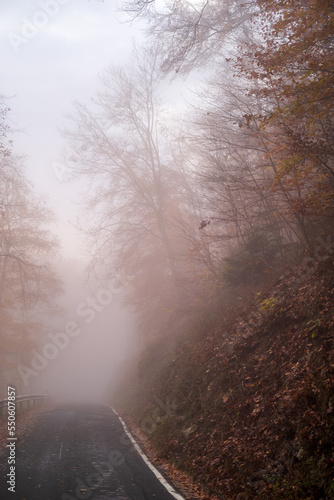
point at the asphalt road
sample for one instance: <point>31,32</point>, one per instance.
<point>80,452</point>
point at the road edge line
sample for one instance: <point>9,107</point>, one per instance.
<point>155,471</point>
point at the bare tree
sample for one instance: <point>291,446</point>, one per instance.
<point>137,190</point>
<point>26,243</point>
<point>236,171</point>
<point>27,278</point>
<point>193,33</point>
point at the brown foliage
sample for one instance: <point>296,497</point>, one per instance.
<point>254,402</point>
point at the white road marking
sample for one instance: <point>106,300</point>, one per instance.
<point>61,447</point>
<point>162,480</point>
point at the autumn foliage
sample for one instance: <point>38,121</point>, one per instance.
<point>293,62</point>
<point>253,398</point>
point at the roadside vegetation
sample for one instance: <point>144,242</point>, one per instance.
<point>250,400</point>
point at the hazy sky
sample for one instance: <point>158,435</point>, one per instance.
<point>51,54</point>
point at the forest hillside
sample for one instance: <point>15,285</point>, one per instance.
<point>246,406</point>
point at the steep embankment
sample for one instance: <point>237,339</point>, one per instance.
<point>249,408</point>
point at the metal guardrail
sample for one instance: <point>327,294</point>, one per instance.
<point>25,401</point>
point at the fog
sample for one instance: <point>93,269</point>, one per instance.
<point>91,363</point>
<point>44,69</point>
<point>82,343</point>
<point>135,197</point>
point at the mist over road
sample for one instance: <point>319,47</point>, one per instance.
<point>80,452</point>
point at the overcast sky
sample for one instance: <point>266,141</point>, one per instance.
<point>51,54</point>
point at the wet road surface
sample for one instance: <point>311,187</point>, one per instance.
<point>80,452</point>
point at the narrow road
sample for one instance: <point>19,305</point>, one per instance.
<point>81,452</point>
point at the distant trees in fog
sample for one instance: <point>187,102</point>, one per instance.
<point>27,277</point>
